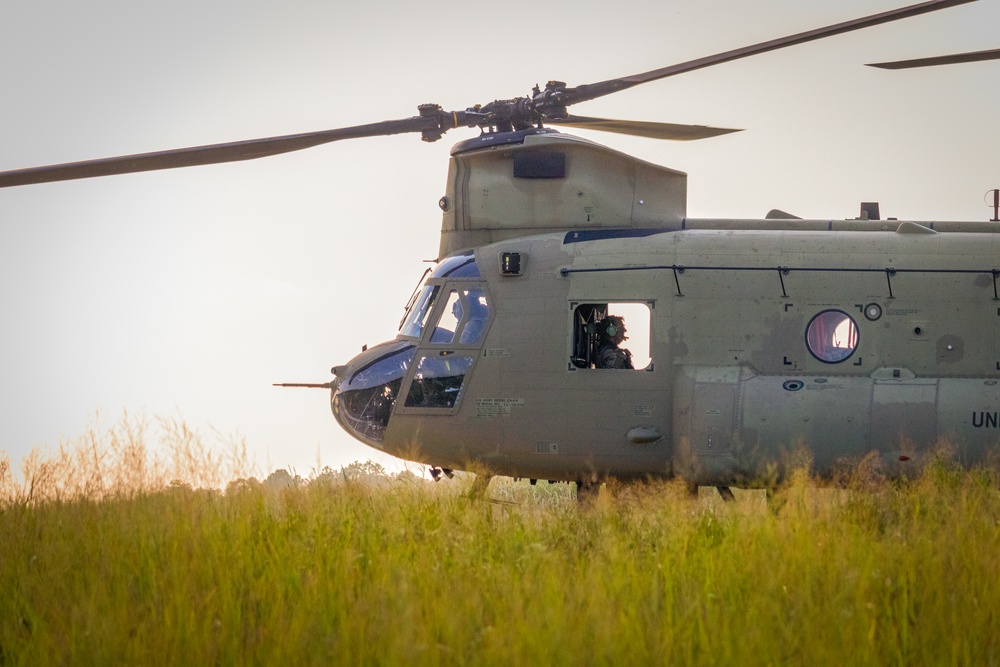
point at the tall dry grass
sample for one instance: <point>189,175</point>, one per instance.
<point>358,567</point>
<point>127,458</point>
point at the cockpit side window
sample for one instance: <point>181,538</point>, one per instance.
<point>600,332</point>
<point>451,317</point>
<point>437,380</point>
<point>477,315</point>
<point>464,317</point>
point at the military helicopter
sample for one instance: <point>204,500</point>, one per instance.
<point>852,336</point>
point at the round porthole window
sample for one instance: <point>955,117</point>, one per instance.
<point>832,336</point>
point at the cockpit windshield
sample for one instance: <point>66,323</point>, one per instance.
<point>416,316</point>
<point>363,402</point>
<point>420,306</point>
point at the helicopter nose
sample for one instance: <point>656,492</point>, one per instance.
<point>365,389</point>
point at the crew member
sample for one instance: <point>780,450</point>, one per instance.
<point>611,334</point>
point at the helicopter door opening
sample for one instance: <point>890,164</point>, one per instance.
<point>611,336</point>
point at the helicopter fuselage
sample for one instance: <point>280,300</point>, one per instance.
<point>766,338</point>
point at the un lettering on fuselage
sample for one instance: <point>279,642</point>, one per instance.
<point>985,419</point>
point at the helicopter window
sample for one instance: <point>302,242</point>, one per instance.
<point>391,366</point>
<point>832,336</point>
<point>457,266</point>
<point>466,311</point>
<point>416,317</point>
<point>446,327</point>
<point>413,298</point>
<point>364,403</point>
<point>477,314</point>
<point>600,331</point>
<point>437,381</point>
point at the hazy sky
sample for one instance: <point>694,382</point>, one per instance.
<point>187,293</point>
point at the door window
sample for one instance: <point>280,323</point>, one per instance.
<point>611,336</point>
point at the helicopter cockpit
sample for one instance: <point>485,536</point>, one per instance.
<point>442,328</point>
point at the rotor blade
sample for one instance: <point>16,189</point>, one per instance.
<point>213,154</point>
<point>595,90</point>
<point>975,56</point>
<point>643,128</point>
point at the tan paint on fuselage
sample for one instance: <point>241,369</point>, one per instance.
<point>732,386</point>
<point>722,351</point>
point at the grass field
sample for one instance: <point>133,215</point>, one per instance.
<point>111,555</point>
